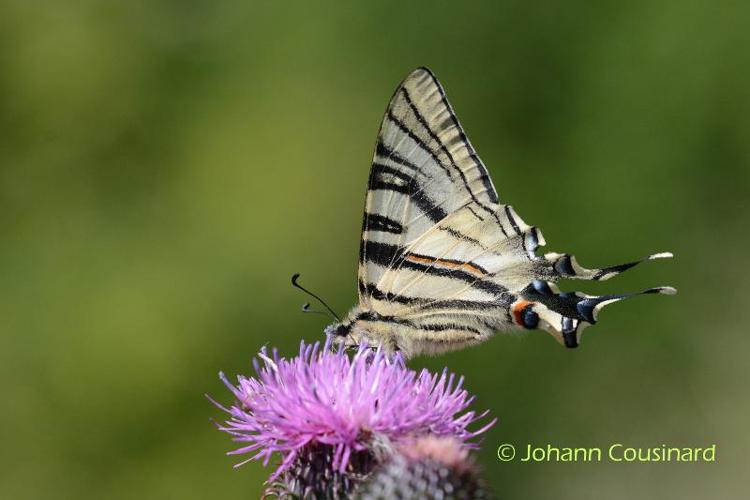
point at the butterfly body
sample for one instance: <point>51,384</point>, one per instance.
<point>437,335</point>
<point>443,263</point>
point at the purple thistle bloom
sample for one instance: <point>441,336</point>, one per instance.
<point>349,406</point>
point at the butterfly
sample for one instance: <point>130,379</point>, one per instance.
<point>443,264</point>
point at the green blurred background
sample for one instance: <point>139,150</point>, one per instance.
<point>166,166</point>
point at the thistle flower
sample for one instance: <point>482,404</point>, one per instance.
<point>333,418</point>
<point>430,467</point>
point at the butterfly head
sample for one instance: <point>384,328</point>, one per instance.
<point>339,329</point>
<point>362,326</point>
<point>348,331</point>
<point>343,333</point>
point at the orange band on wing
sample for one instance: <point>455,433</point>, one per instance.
<point>467,266</point>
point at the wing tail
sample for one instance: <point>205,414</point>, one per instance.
<point>566,266</point>
<point>566,314</point>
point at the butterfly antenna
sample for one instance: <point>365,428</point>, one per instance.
<point>306,307</point>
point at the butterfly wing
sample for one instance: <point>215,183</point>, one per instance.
<point>454,285</point>
<point>466,278</point>
<point>424,168</point>
<point>440,255</point>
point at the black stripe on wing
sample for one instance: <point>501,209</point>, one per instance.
<point>387,153</point>
<point>377,222</point>
<point>376,252</point>
<point>384,177</point>
<point>442,327</point>
<point>485,177</point>
<point>512,219</point>
<point>463,237</point>
<point>414,137</point>
<point>456,274</point>
<point>442,147</point>
<point>456,327</point>
<point>430,304</point>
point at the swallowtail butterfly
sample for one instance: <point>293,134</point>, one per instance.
<point>444,264</point>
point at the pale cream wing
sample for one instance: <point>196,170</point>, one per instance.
<point>467,277</point>
<point>439,254</point>
<point>465,267</point>
<point>424,168</point>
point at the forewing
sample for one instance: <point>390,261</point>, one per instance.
<point>424,169</point>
